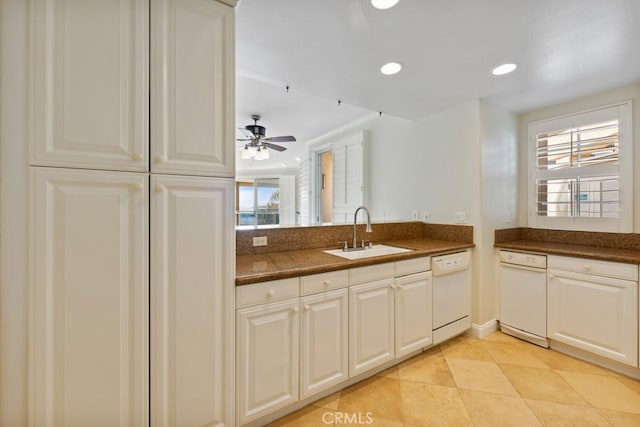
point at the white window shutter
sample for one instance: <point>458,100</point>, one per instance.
<point>339,177</point>
<point>303,192</point>
<point>354,174</point>
<point>287,200</point>
<point>348,174</point>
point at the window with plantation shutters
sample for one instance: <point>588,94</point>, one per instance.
<point>580,170</point>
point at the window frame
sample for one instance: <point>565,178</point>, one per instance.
<point>255,181</point>
<point>623,224</point>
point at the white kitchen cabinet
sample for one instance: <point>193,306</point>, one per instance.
<point>88,265</point>
<point>268,358</point>
<point>89,91</point>
<point>371,325</point>
<point>192,317</point>
<point>192,88</point>
<point>91,82</point>
<point>324,336</point>
<point>595,313</point>
<point>413,311</point>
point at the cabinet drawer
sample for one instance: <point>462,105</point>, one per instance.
<point>589,266</point>
<point>410,266</point>
<point>371,273</point>
<point>324,282</point>
<point>261,293</point>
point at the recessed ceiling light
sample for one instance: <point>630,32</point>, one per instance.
<point>390,68</point>
<point>504,69</point>
<point>384,4</point>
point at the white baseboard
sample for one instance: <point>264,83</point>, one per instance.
<point>484,330</point>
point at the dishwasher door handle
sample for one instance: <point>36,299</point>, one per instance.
<point>523,267</point>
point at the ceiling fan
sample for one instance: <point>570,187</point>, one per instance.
<point>257,146</point>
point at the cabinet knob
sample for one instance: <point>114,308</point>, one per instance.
<point>587,267</point>
<point>160,159</point>
<point>136,156</point>
<point>551,276</point>
<point>307,307</point>
<point>271,293</point>
<point>159,188</point>
<point>294,309</point>
<point>138,187</point>
<point>392,286</point>
<point>327,282</point>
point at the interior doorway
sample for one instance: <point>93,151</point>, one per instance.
<point>326,186</point>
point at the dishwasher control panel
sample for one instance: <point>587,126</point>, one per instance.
<point>446,264</point>
<point>524,259</point>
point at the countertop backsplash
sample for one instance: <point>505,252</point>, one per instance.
<point>331,236</point>
<point>582,238</point>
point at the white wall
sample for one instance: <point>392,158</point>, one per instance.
<point>449,149</point>
<point>429,164</point>
<point>499,130</point>
<point>391,172</point>
<point>631,92</point>
<point>463,159</point>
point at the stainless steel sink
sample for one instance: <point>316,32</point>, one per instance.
<point>374,251</point>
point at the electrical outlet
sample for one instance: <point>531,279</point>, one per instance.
<point>260,241</point>
<point>460,217</point>
<point>415,215</point>
<point>427,216</point>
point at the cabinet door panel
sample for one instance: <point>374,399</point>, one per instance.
<point>594,313</point>
<point>371,325</point>
<point>192,318</point>
<point>413,313</point>
<point>324,341</point>
<point>89,298</point>
<point>89,101</point>
<point>193,92</point>
<point>268,355</point>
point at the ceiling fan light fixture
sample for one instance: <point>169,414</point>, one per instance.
<point>384,4</point>
<point>256,152</point>
<point>262,153</point>
<point>503,69</point>
<point>258,147</point>
<point>391,68</point>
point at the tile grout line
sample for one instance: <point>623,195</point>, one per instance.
<point>513,351</point>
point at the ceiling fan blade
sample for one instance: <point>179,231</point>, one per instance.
<point>244,133</point>
<point>288,138</point>
<point>274,146</point>
<point>244,139</point>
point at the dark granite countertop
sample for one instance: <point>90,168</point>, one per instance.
<point>257,268</point>
<point>629,256</point>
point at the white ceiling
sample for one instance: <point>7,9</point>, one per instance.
<point>327,50</point>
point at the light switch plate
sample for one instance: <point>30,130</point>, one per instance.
<point>260,241</point>
<point>460,217</point>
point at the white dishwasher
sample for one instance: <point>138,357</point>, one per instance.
<point>523,296</point>
<point>451,295</point>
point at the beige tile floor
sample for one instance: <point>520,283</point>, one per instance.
<point>498,381</point>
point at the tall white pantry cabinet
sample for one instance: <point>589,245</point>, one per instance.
<point>131,246</point>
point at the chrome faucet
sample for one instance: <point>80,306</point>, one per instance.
<point>355,223</point>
